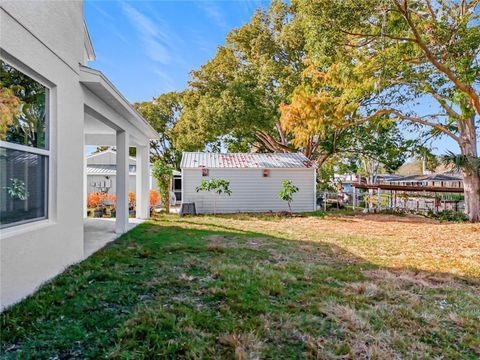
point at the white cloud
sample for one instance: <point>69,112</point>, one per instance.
<point>157,42</point>
<point>214,13</point>
<point>168,83</point>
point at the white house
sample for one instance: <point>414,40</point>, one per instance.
<point>255,180</point>
<point>45,47</point>
<point>101,174</point>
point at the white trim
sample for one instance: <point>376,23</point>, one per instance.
<point>182,177</point>
<point>91,76</point>
<point>27,227</point>
<point>24,148</point>
<point>88,43</point>
<point>111,151</point>
<point>50,143</point>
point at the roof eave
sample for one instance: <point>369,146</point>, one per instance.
<point>89,75</point>
<point>88,43</point>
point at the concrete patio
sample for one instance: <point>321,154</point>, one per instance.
<point>98,232</point>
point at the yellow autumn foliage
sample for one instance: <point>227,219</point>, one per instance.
<point>9,107</point>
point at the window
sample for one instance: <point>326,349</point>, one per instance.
<point>177,183</point>
<point>24,148</point>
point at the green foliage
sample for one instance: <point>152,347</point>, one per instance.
<point>26,124</point>
<point>162,114</point>
<point>17,189</point>
<point>448,215</point>
<point>237,93</point>
<point>163,173</point>
<point>287,192</point>
<point>462,162</point>
<point>217,186</point>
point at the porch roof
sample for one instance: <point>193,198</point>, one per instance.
<point>98,84</point>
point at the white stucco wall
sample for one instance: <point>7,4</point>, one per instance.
<point>44,39</point>
<point>251,192</point>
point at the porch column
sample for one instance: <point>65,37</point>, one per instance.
<point>121,221</point>
<point>143,183</point>
<point>85,181</point>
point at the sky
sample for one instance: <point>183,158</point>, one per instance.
<point>147,48</point>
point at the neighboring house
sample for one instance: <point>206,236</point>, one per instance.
<point>101,175</point>
<point>66,106</point>
<point>255,180</point>
<point>433,180</point>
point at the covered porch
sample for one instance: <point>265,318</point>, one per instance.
<point>110,120</point>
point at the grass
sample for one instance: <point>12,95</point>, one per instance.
<point>247,286</point>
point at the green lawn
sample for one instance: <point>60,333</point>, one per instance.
<point>251,287</point>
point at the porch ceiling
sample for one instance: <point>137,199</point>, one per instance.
<point>107,111</point>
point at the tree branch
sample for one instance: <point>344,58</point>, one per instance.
<point>377,36</point>
<point>399,116</point>
<point>440,66</point>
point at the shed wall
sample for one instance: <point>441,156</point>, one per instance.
<point>251,192</point>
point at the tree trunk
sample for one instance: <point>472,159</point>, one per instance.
<point>471,188</point>
<point>471,177</point>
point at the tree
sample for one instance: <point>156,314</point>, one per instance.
<point>218,186</point>
<point>287,192</point>
<point>412,49</point>
<point>163,173</point>
<point>22,108</point>
<point>9,108</point>
<point>233,100</point>
<point>162,114</point>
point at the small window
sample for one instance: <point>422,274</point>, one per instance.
<point>266,173</point>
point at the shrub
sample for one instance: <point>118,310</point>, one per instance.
<point>113,199</point>
<point>448,215</point>
<point>131,199</point>
<point>286,194</point>
<point>218,186</point>
<point>154,198</point>
<point>163,173</point>
<point>94,199</point>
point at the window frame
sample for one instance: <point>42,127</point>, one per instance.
<point>45,152</point>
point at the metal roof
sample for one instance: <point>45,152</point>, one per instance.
<point>95,169</point>
<point>431,177</point>
<point>193,160</point>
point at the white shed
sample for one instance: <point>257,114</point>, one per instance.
<point>255,180</point>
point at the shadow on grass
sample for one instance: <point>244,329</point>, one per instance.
<point>163,291</point>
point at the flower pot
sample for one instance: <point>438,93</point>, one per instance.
<point>98,212</point>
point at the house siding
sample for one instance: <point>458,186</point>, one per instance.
<point>45,41</point>
<point>251,192</point>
